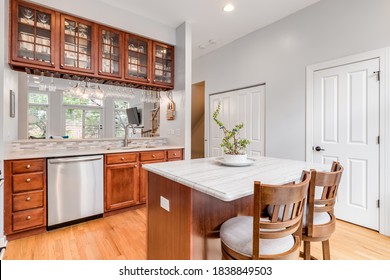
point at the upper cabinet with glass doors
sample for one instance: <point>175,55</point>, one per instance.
<point>33,34</point>
<point>162,64</point>
<point>77,47</point>
<point>110,52</point>
<point>48,40</point>
<point>137,58</point>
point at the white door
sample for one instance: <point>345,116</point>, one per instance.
<point>346,128</point>
<point>246,106</point>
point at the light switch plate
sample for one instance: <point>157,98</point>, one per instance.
<point>164,203</point>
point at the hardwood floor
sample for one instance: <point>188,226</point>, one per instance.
<point>123,236</point>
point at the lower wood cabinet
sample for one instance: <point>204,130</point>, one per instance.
<point>126,181</point>
<point>24,196</point>
<point>121,181</point>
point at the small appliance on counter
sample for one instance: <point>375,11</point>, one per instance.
<point>74,190</point>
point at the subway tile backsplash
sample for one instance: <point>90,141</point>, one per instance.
<point>69,144</point>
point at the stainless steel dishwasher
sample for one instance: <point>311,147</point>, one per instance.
<point>75,189</point>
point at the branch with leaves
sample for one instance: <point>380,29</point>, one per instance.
<point>232,144</point>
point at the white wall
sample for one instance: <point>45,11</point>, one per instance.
<point>178,131</point>
<point>279,54</point>
<point>111,16</point>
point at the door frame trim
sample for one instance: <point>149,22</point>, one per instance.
<point>384,122</point>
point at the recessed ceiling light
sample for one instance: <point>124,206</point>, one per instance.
<point>228,8</point>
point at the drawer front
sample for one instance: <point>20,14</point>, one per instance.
<point>121,158</point>
<point>175,154</point>
<point>146,156</point>
<point>29,200</point>
<point>27,182</point>
<point>27,166</point>
<point>27,219</point>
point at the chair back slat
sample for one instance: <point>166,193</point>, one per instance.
<point>286,213</point>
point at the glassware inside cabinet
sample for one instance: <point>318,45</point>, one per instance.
<point>34,35</point>
<point>109,52</point>
<point>137,58</point>
<point>163,64</point>
<point>77,44</point>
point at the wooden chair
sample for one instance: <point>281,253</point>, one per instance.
<point>275,237</point>
<point>319,221</point>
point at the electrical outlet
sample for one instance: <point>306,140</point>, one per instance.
<point>164,203</point>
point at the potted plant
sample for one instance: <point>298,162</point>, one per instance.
<point>233,146</point>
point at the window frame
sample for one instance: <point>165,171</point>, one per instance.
<point>47,106</point>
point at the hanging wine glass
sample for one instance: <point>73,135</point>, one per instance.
<point>52,85</point>
<point>42,85</point>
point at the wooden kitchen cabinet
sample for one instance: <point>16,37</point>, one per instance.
<point>110,52</point>
<point>145,158</point>
<point>137,58</point>
<point>32,35</point>
<point>121,188</point>
<point>163,62</point>
<point>173,155</point>
<point>24,196</point>
<point>46,40</point>
<point>78,44</point>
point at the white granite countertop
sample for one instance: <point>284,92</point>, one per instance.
<point>229,183</point>
<point>81,152</point>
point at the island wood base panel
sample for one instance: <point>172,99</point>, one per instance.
<point>190,229</point>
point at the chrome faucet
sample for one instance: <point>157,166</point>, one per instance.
<point>126,140</point>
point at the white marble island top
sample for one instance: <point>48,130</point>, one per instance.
<point>229,183</point>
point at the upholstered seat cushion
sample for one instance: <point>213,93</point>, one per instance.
<point>237,233</point>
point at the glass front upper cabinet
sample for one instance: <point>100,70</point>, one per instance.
<point>137,58</point>
<point>162,64</point>
<point>77,45</point>
<point>33,35</point>
<point>110,51</point>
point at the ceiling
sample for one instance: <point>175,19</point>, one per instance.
<point>211,26</point>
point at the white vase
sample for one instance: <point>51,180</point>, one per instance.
<point>235,158</point>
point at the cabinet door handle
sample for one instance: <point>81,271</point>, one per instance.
<point>28,180</point>
<point>135,166</point>
<point>28,218</point>
<point>28,198</point>
<point>28,166</point>
<point>62,65</point>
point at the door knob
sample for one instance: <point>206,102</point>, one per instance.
<point>318,148</point>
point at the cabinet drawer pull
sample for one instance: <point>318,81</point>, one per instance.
<point>28,166</point>
<point>135,166</point>
<point>122,158</point>
<point>28,198</point>
<point>153,156</point>
<point>28,218</point>
<point>28,180</point>
<point>174,154</point>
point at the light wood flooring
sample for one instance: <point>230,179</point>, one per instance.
<point>123,236</point>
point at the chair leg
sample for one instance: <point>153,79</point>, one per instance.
<point>325,250</point>
<point>306,250</point>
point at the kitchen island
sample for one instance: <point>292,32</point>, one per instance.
<point>189,200</point>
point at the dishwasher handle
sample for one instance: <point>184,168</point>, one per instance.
<point>74,159</point>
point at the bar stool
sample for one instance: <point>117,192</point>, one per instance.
<point>276,237</point>
<point>319,221</point>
